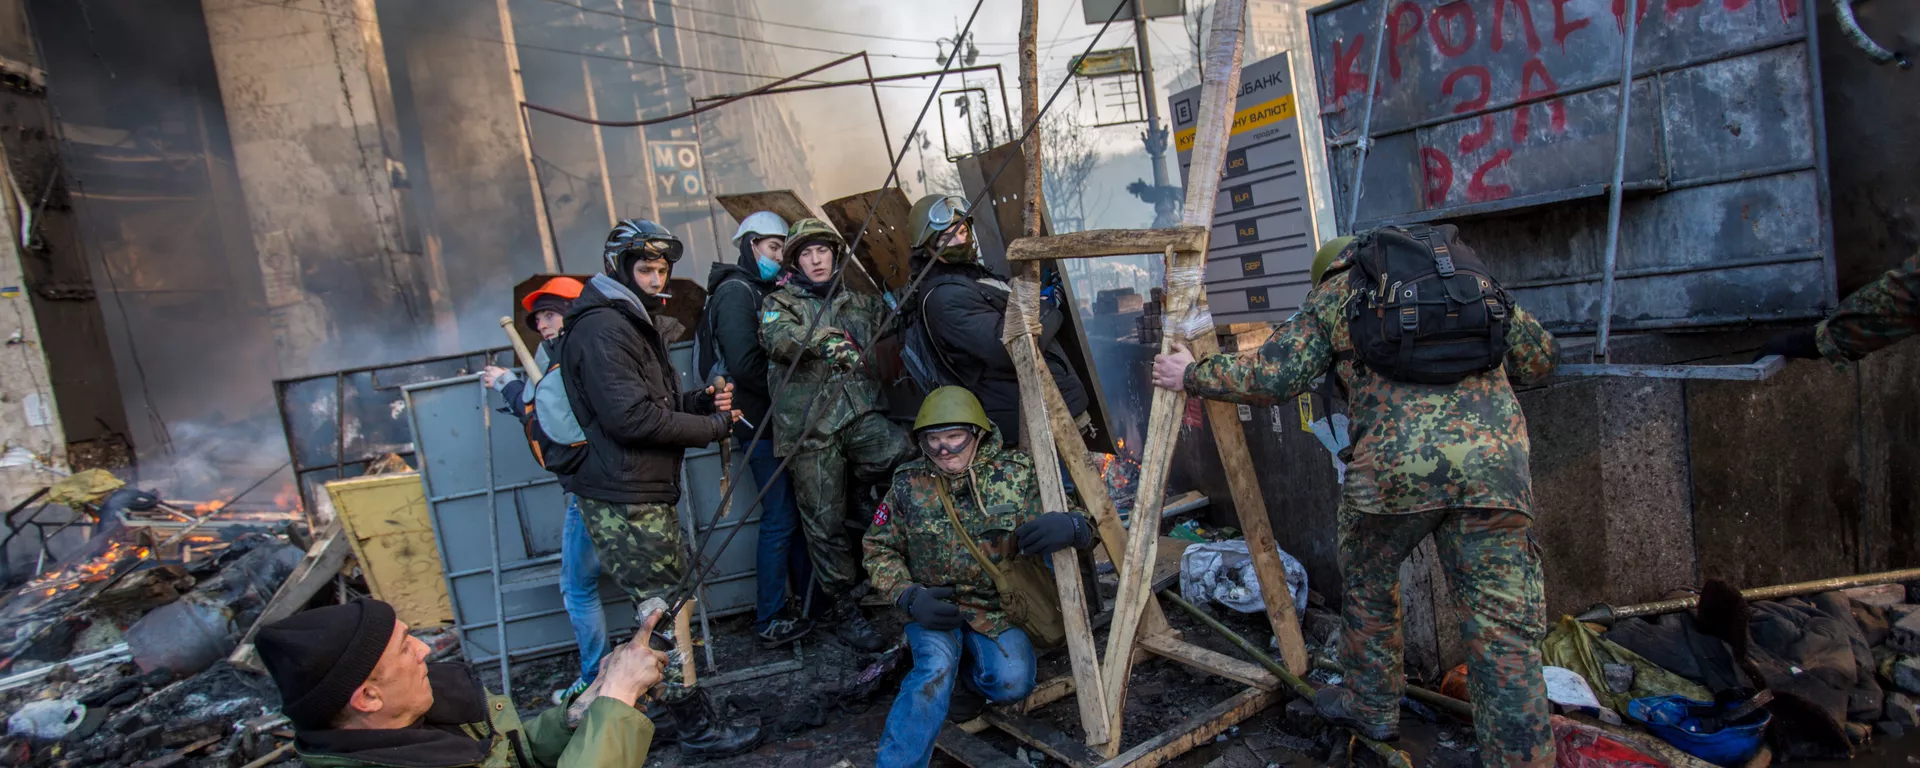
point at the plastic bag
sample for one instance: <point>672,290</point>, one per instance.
<point>1222,572</point>
<point>1573,645</point>
<point>47,719</point>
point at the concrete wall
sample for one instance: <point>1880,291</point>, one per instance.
<point>304,87</point>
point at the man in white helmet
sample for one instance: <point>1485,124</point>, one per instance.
<point>729,345</point>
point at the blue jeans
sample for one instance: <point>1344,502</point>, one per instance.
<point>580,591</point>
<point>781,558</point>
<point>1001,669</point>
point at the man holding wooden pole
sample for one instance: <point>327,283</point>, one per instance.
<point>1430,456</point>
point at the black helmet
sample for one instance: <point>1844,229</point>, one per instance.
<point>638,239</point>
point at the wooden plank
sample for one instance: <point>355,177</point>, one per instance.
<point>1094,243</point>
<point>1213,662</point>
<point>1043,694</point>
<point>1044,737</point>
<point>1092,487</point>
<point>971,751</point>
<point>780,201</point>
<point>388,526</point>
<point>321,563</point>
<point>1197,730</point>
<point>1220,79</point>
<point>683,640</point>
<point>1023,317</point>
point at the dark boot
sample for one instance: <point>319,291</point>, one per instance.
<point>965,704</point>
<point>699,732</point>
<point>1335,705</point>
<point>851,626</point>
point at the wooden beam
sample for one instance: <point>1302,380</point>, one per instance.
<point>1043,694</point>
<point>1108,242</point>
<point>1201,728</point>
<point>1023,317</point>
<point>321,563</point>
<point>1044,737</point>
<point>972,751</point>
<point>1243,672</point>
<point>1220,80</point>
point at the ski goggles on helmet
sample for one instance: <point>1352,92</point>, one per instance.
<point>948,441</point>
<point>945,213</point>
<point>655,250</point>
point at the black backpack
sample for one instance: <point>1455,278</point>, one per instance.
<point>926,365</point>
<point>1425,309</point>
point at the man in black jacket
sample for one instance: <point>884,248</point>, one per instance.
<point>638,424</point>
<point>730,346</point>
<point>963,307</point>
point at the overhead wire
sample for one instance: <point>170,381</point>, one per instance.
<point>685,590</point>
<point>718,33</point>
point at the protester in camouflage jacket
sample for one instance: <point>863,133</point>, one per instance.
<point>825,333</point>
<point>1878,315</point>
<point>1443,460</point>
<point>920,561</point>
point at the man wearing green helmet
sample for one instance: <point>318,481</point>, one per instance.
<point>1448,460</point>
<point>923,563</point>
<point>961,308</point>
<point>846,432</point>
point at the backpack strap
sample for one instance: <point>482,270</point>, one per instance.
<point>1442,257</point>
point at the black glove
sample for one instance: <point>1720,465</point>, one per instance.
<point>1051,532</point>
<point>1797,344</point>
<point>931,608</point>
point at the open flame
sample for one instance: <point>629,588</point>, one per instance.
<point>81,574</point>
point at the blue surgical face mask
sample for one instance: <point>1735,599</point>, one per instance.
<point>767,268</point>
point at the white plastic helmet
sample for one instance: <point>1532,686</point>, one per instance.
<point>760,224</point>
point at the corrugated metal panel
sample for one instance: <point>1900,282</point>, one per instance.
<point>1509,106</point>
<point>492,503</point>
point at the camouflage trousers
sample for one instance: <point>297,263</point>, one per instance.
<point>867,450</point>
<point>1495,578</point>
<point>641,547</point>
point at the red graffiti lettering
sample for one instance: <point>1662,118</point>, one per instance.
<point>1346,74</point>
<point>1521,124</point>
<point>1472,142</point>
<point>1620,13</point>
<point>1394,34</point>
<point>1789,9</point>
<point>1734,5</point>
<point>1478,191</point>
<point>1562,26</point>
<point>1674,7</point>
<point>1474,71</point>
<point>1536,81</point>
<point>1438,171</point>
<point>1526,22</point>
<point>1458,17</point>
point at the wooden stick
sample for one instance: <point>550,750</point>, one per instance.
<point>1219,82</point>
<point>322,561</point>
<point>1094,243</point>
<point>683,639</point>
<point>1199,729</point>
<point>520,351</point>
<point>1023,315</point>
<point>271,757</point>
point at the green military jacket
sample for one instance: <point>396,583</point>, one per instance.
<point>1416,447</point>
<point>1879,314</point>
<point>784,319</point>
<point>610,734</point>
<point>912,542</point>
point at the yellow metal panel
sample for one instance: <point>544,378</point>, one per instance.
<point>392,535</point>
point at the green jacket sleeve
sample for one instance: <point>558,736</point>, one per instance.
<point>610,734</point>
<point>1531,351</point>
<point>1299,351</point>
<point>1885,311</point>
<point>885,548</point>
<point>783,330</point>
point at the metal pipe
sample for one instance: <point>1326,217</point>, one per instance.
<point>885,139</point>
<point>1365,142</point>
<point>1614,191</point>
<point>869,80</point>
<point>1393,756</point>
<point>1607,614</point>
<point>1156,136</point>
<point>1850,29</point>
<point>493,536</point>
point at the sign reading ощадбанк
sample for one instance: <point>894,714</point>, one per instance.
<point>1262,243</point>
